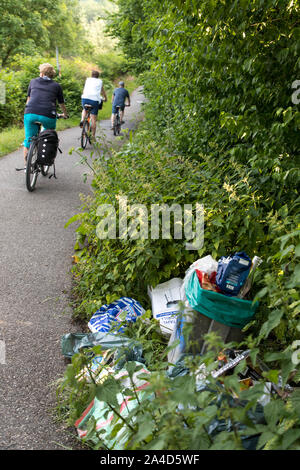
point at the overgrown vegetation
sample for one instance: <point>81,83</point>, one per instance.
<point>181,407</point>
<point>221,130</point>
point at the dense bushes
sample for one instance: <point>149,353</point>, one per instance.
<point>239,215</point>
<point>28,27</point>
<point>220,89</point>
<point>226,135</point>
<point>220,130</point>
<point>177,413</point>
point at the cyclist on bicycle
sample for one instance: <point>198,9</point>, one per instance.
<point>92,95</point>
<point>43,93</point>
<point>118,99</point>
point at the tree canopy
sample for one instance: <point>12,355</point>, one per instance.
<point>30,26</point>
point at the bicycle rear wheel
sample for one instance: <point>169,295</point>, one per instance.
<point>85,134</point>
<point>117,125</point>
<point>31,167</point>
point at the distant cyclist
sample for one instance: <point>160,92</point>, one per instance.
<point>118,99</point>
<point>92,94</point>
<point>43,93</point>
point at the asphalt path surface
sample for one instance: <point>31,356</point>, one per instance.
<point>35,287</point>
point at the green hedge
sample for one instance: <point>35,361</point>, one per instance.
<point>238,216</point>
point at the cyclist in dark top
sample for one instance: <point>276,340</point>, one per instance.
<point>42,95</point>
<point>118,99</point>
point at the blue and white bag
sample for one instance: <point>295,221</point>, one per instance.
<point>124,309</point>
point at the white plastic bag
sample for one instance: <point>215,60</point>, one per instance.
<point>207,264</point>
<point>165,303</point>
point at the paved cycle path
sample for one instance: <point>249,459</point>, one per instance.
<point>35,284</point>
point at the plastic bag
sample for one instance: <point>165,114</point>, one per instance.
<point>124,309</point>
<point>230,311</point>
<point>207,265</point>
<point>177,335</point>
<point>71,343</point>
<point>105,418</point>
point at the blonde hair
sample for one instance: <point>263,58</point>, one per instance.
<point>48,70</point>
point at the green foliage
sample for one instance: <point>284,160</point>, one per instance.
<point>112,64</point>
<point>219,89</point>
<point>31,27</point>
<point>183,408</point>
<point>126,25</point>
<point>221,130</point>
<point>112,267</point>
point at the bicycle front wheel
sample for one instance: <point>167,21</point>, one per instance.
<point>31,167</point>
<point>85,134</point>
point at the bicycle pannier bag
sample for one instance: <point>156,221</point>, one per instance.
<point>47,147</point>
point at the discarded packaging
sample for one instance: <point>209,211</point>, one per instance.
<point>232,273</point>
<point>102,413</point>
<point>72,343</point>
<point>165,302</point>
<point>248,284</point>
<point>108,316</point>
<point>230,364</point>
<point>177,334</point>
<point>230,311</point>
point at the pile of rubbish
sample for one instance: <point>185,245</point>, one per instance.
<point>215,289</point>
<point>211,297</point>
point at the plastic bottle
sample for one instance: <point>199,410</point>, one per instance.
<point>247,286</point>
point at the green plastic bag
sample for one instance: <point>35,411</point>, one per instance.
<point>71,343</point>
<point>230,311</point>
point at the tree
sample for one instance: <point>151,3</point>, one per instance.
<point>127,25</point>
<point>65,29</point>
<point>30,26</point>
